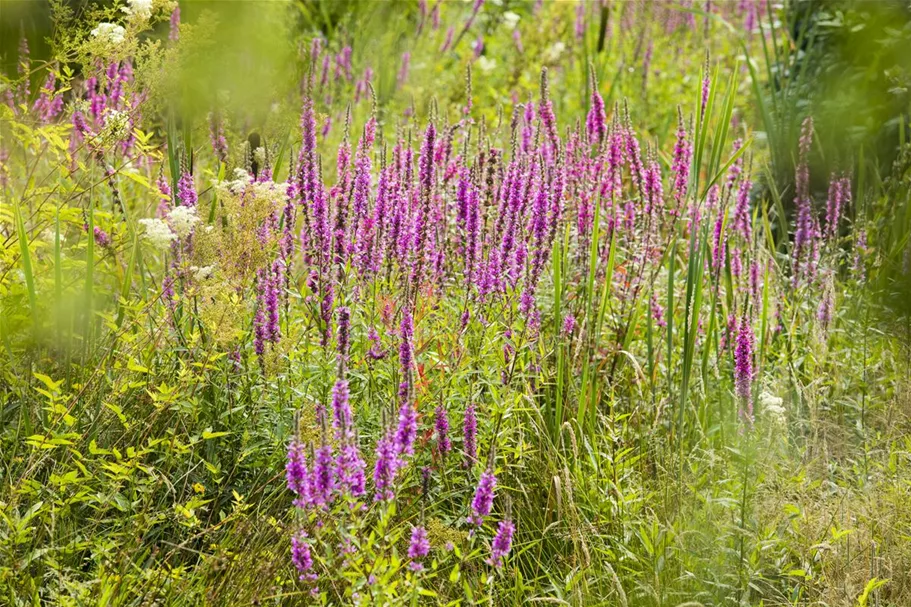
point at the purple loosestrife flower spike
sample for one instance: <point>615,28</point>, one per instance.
<point>322,485</point>
<point>425,179</point>
<point>307,170</point>
<point>478,46</point>
<point>579,25</point>
<point>654,190</point>
<point>350,470</point>
<point>804,232</point>
<point>860,249</point>
<point>742,218</point>
<point>301,557</point>
<point>186,190</point>
<point>296,473</point>
<point>406,333</point>
<point>174,33</point>
<point>681,163</point>
<point>441,425</point>
<point>743,368</point>
<point>470,434</point>
<point>101,238</point>
<point>483,498</point>
<point>344,333</point>
<point>361,197</point>
<point>23,69</point>
<point>407,430</point>
<point>376,351</point>
<point>754,281</point>
<point>569,325</point>
<point>719,241</point>
<point>259,330</point>
<point>736,168</point>
<point>385,469</point>
<point>418,548</point>
<point>217,137</point>
<point>528,127</point>
<point>448,41</point>
<point>546,112</point>
<point>834,204</point>
<point>502,543</point>
<point>826,303</point>
<point>402,77</point>
<point>273,296</point>
<point>48,106</point>
<point>706,86</point>
<point>634,156</point>
<point>341,411</point>
<point>541,246</point>
<point>657,312</point>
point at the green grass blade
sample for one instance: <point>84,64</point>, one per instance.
<point>26,259</point>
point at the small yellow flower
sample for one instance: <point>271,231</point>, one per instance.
<point>198,488</point>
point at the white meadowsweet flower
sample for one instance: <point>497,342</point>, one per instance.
<point>110,32</point>
<point>203,273</point>
<point>139,8</point>
<point>182,220</point>
<point>158,233</point>
<point>486,65</point>
<point>555,51</point>
<point>259,155</point>
<point>511,19</point>
<point>772,408</point>
<point>241,179</point>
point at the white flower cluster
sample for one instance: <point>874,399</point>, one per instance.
<point>110,32</point>
<point>259,155</point>
<point>180,223</point>
<point>140,8</point>
<point>511,19</point>
<point>233,186</point>
<point>485,64</point>
<point>554,51</point>
<point>243,184</point>
<point>203,273</point>
<point>158,233</point>
<point>182,220</point>
<point>771,407</point>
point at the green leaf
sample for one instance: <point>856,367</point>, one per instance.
<point>206,434</point>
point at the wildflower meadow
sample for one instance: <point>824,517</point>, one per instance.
<point>424,302</point>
